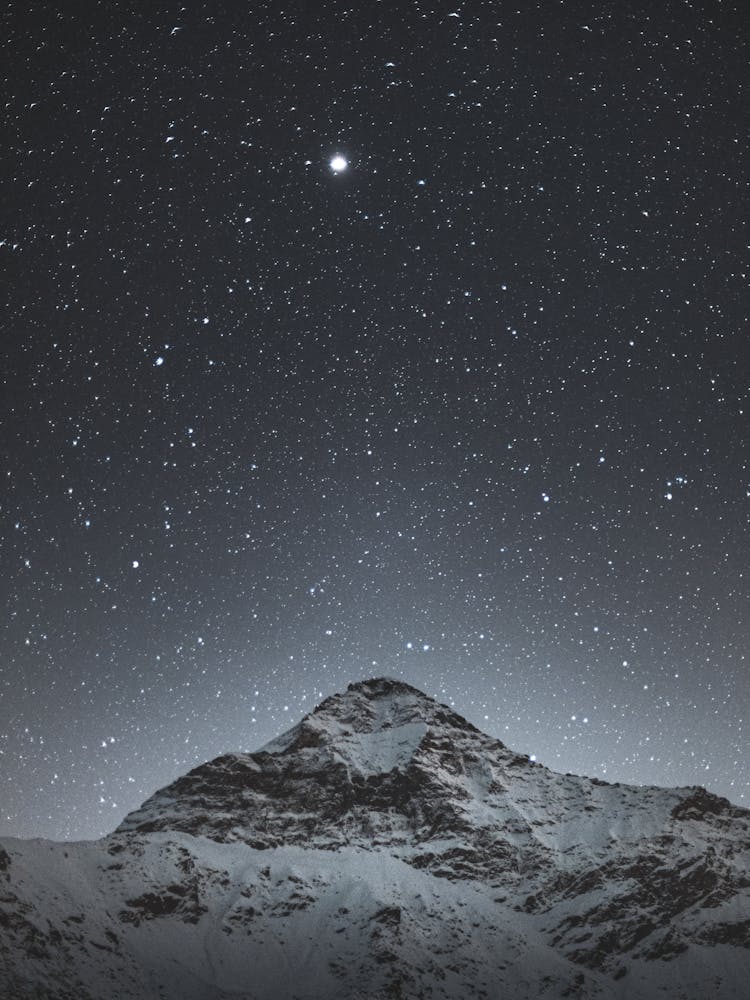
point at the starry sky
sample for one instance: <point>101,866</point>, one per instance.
<point>404,339</point>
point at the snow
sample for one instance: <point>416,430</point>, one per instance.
<point>384,841</point>
<point>379,752</point>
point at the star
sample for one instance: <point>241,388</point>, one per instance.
<point>338,163</point>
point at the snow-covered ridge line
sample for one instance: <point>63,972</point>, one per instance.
<point>385,846</point>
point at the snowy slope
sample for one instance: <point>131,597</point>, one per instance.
<point>384,847</point>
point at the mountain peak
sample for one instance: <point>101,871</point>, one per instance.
<point>386,687</point>
<point>356,754</point>
<point>386,846</point>
<point>380,703</point>
<point>383,762</point>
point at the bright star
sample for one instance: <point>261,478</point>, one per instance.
<point>338,163</point>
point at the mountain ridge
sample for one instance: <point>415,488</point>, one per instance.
<point>460,865</point>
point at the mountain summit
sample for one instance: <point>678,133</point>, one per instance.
<point>380,752</point>
<point>385,847</point>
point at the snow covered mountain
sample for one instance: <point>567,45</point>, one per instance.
<point>385,847</point>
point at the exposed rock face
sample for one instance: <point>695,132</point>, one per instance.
<point>386,847</point>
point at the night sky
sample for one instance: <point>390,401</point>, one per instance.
<point>469,408</point>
